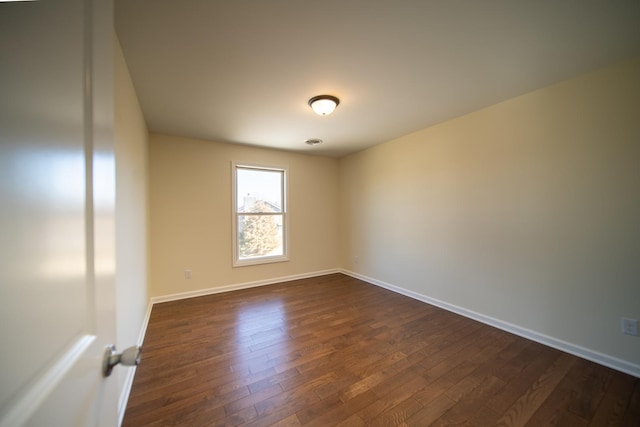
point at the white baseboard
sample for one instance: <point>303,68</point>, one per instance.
<point>128,382</point>
<point>576,350</point>
<point>124,394</point>
<point>246,285</point>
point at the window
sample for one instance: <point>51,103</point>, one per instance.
<point>260,214</point>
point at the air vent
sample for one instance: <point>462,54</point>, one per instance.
<point>313,141</point>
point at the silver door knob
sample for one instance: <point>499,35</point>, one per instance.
<point>129,357</point>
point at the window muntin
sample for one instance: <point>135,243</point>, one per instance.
<point>260,214</point>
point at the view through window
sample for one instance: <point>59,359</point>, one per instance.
<point>260,214</point>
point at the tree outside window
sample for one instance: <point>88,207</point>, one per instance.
<point>258,235</point>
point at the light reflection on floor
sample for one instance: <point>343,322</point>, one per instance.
<point>259,324</point>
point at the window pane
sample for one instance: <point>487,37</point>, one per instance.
<point>260,235</point>
<point>259,190</point>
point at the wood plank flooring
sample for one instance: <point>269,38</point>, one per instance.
<point>336,351</point>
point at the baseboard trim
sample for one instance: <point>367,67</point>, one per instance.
<point>124,394</point>
<point>239,286</point>
<point>131,372</point>
<point>576,350</point>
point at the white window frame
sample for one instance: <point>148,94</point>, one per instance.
<point>237,262</point>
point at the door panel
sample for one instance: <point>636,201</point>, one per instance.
<point>56,218</point>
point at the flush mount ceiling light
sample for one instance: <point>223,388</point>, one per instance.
<point>324,105</point>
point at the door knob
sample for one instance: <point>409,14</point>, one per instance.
<point>129,357</point>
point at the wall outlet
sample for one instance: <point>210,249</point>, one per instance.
<point>630,326</point>
<point>356,259</point>
<point>187,274</point>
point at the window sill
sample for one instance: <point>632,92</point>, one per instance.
<point>260,260</point>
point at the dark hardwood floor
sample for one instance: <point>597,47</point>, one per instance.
<point>334,350</point>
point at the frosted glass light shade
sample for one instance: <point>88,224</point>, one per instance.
<point>324,105</point>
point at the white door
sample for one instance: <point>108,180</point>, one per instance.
<point>56,212</point>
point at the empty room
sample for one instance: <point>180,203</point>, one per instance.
<point>340,213</point>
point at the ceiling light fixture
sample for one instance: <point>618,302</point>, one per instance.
<point>324,105</point>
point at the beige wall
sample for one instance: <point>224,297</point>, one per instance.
<point>190,214</point>
<point>527,211</point>
<point>130,133</point>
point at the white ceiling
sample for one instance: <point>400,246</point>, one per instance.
<point>242,71</point>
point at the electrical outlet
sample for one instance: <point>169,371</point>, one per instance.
<point>356,259</point>
<point>187,274</point>
<point>630,326</point>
